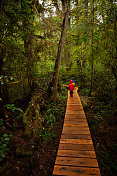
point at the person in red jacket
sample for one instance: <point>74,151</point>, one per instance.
<point>71,88</point>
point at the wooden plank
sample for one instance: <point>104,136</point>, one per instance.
<point>75,171</point>
<point>76,119</point>
<point>74,112</point>
<point>75,153</point>
<point>71,161</point>
<point>75,136</point>
<point>75,102</point>
<point>68,117</point>
<point>75,116</point>
<point>72,120</point>
<point>75,131</point>
<point>76,122</point>
<point>74,107</point>
<point>76,141</point>
<point>76,125</point>
<point>76,128</point>
<point>81,147</point>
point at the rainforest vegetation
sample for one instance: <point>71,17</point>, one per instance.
<point>43,44</point>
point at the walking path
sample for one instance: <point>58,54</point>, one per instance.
<point>76,155</point>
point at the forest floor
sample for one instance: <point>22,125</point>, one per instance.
<point>103,127</point>
<point>39,163</point>
<point>40,159</point>
<point>30,156</point>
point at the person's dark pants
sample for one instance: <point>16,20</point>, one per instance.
<point>71,93</point>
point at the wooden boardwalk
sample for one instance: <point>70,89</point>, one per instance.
<point>76,155</point>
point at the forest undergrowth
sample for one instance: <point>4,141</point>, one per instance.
<point>30,155</point>
<point>102,121</point>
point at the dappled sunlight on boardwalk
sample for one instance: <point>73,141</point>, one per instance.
<point>76,155</point>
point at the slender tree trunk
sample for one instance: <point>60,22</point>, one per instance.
<point>30,61</point>
<point>1,64</point>
<point>1,50</point>
<point>68,52</point>
<point>85,33</point>
<point>28,46</point>
<point>59,53</point>
<point>92,55</point>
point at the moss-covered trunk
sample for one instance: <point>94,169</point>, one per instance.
<point>32,117</point>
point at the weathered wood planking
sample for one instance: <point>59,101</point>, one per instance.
<point>75,116</point>
<point>76,155</point>
<point>75,136</point>
<point>74,161</point>
<point>75,171</point>
<point>77,147</point>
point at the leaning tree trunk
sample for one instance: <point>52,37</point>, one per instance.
<point>59,53</point>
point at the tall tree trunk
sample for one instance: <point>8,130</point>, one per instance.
<point>59,53</point>
<point>68,52</point>
<point>1,64</point>
<point>28,45</point>
<point>92,51</point>
<point>85,33</point>
<point>1,43</point>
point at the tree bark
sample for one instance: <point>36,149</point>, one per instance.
<point>85,33</point>
<point>92,54</point>
<point>1,50</point>
<point>28,45</point>
<point>1,65</point>
<point>59,53</point>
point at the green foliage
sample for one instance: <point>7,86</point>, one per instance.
<point>51,115</point>
<point>13,108</point>
<point>84,91</point>
<point>108,163</point>
<point>62,93</point>
<point>4,146</point>
<point>95,122</point>
<point>1,122</point>
<point>46,135</point>
<point>51,119</point>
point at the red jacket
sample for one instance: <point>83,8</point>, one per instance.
<point>71,85</point>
